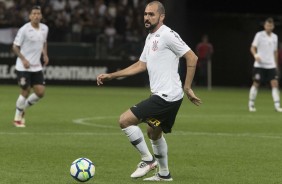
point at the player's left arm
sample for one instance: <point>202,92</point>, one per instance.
<point>191,62</point>
<point>45,54</point>
<point>181,49</point>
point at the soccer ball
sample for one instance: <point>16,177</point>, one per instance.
<point>82,169</point>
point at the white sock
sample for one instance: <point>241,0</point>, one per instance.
<point>136,138</point>
<point>160,150</point>
<point>276,97</point>
<point>252,96</point>
<point>31,100</point>
<point>19,107</point>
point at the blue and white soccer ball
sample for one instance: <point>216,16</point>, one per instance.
<point>82,169</point>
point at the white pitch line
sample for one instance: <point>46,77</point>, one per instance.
<point>83,121</point>
<point>179,133</point>
<point>62,133</point>
<point>174,133</point>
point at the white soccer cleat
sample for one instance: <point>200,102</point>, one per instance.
<point>278,109</point>
<point>19,123</point>
<point>252,109</point>
<point>158,177</point>
<point>143,168</point>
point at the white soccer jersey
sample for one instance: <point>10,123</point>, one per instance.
<point>31,42</point>
<point>161,53</point>
<point>266,46</point>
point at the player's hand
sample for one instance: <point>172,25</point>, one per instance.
<point>257,58</point>
<point>103,77</point>
<point>25,63</point>
<point>192,97</point>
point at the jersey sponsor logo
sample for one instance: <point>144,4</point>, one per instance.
<point>157,35</point>
<point>155,45</point>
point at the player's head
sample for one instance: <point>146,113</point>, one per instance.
<point>154,15</point>
<point>269,25</point>
<point>35,15</point>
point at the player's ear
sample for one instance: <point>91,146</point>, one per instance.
<point>162,17</point>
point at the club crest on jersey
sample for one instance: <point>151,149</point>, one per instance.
<point>257,76</point>
<point>22,81</point>
<point>155,45</point>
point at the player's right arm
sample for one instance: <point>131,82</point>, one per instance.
<point>254,49</point>
<point>17,51</point>
<point>133,69</point>
<point>254,53</point>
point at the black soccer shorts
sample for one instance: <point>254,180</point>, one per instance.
<point>27,79</point>
<point>156,112</point>
<point>264,75</point>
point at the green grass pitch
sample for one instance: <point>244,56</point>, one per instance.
<point>219,142</point>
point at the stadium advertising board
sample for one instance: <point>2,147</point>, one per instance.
<point>75,72</point>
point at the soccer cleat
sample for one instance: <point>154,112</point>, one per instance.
<point>20,123</point>
<point>158,177</point>
<point>278,109</point>
<point>143,168</point>
<point>252,109</point>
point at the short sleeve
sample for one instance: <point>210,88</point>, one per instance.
<point>19,37</point>
<point>176,44</point>
<point>143,55</point>
<point>47,31</point>
<point>256,40</point>
<point>276,43</point>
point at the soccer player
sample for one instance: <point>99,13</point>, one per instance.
<point>29,45</point>
<point>160,57</point>
<point>265,51</point>
<point>204,51</point>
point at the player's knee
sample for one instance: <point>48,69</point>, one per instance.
<point>154,133</point>
<point>126,120</point>
<point>24,86</point>
<point>122,121</point>
<point>256,83</point>
<point>274,83</point>
<point>40,94</point>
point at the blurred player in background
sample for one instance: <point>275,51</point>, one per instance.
<point>204,51</point>
<point>160,57</point>
<point>29,45</point>
<point>265,51</point>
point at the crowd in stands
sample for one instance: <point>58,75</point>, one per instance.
<point>119,21</point>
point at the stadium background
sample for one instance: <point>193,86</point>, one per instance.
<point>219,142</point>
<point>87,37</point>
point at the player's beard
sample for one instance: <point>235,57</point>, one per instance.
<point>152,26</point>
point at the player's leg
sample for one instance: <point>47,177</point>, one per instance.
<point>129,124</point>
<point>160,149</point>
<point>24,83</point>
<point>252,96</point>
<point>38,84</point>
<point>275,94</point>
<point>254,89</point>
<point>163,123</point>
<point>38,93</point>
